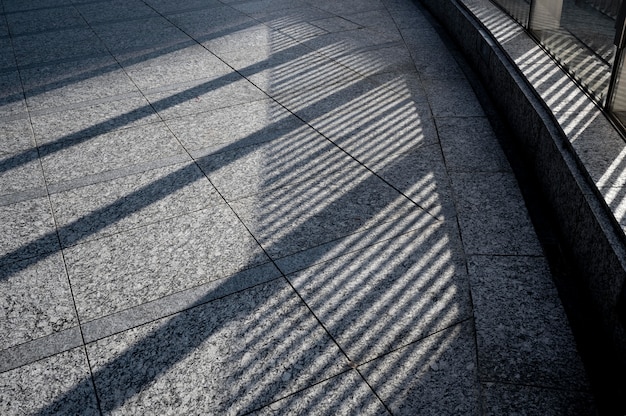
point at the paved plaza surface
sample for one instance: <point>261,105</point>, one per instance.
<point>268,207</point>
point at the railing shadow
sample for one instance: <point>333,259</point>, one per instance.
<point>418,281</point>
<point>125,58</point>
<point>382,272</point>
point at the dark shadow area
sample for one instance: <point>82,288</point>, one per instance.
<point>379,286</point>
<point>421,264</point>
<point>101,128</point>
<point>598,357</point>
<point>139,55</point>
<point>166,343</point>
<point>593,345</point>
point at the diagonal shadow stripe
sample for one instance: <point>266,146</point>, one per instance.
<point>183,346</point>
<point>169,342</point>
<point>84,135</point>
<point>173,340</point>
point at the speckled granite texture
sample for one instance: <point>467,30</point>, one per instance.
<point>261,207</point>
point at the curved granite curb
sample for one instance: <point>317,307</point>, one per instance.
<point>574,150</point>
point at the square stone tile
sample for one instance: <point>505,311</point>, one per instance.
<point>376,125</point>
<point>268,6</point>
<point>107,208</point>
<point>143,264</point>
<point>167,7</point>
<point>335,24</point>
<point>4,29</point>
<point>286,73</point>
<point>406,15</point>
<point>19,5</point>
<point>36,300</point>
<point>60,384</point>
<point>63,84</point>
<point>203,95</point>
<point>470,145</point>
<point>378,61</point>
<point>255,347</point>
<point>333,103</point>
<point>405,83</point>
<point>112,10</point>
<point>421,175</point>
<point>210,23</point>
<point>150,34</point>
<point>372,123</point>
<point>313,212</point>
<point>506,399</point>
<point>439,66</point>
<point>57,45</point>
<point>351,6</point>
<point>16,136</point>
<point>253,63</point>
<point>177,302</point>
<point>279,19</point>
<point>263,37</point>
<point>139,54</point>
<point>422,37</point>
<point>434,376</point>
<point>176,66</point>
<point>83,156</point>
<point>452,97</point>
<point>43,20</point>
<point>40,348</point>
<point>28,230</point>
<point>376,20</point>
<point>384,232</point>
<point>12,101</point>
<point>340,44</point>
<point>301,31</point>
<point>92,120</point>
<point>20,172</point>
<point>233,127</point>
<point>7,57</point>
<point>292,157</point>
<point>346,393</point>
<point>522,332</point>
<point>493,216</point>
<point>390,294</point>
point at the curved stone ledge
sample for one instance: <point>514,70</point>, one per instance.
<point>576,153</point>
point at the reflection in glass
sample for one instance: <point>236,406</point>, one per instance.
<point>518,9</point>
<point>579,34</point>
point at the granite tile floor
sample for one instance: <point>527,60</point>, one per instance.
<point>267,207</point>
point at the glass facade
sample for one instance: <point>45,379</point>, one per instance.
<point>587,38</point>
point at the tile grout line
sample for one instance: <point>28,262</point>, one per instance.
<point>47,193</point>
<point>293,394</point>
<point>388,184</point>
<point>492,118</point>
<point>437,28</point>
<point>273,262</point>
<point>449,185</point>
<point>22,349</point>
<point>284,278</point>
<point>62,252</point>
<point>55,220</point>
<point>240,221</point>
<point>55,224</point>
<point>354,365</point>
